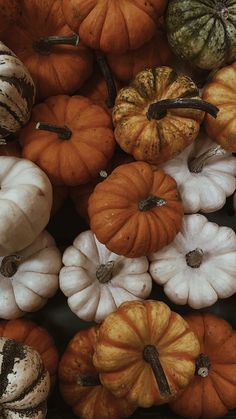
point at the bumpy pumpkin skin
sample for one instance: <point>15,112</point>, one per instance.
<point>9,12</point>
<point>221,92</point>
<point>155,141</point>
<point>116,217</point>
<point>122,338</point>
<point>91,402</point>
<point>211,396</point>
<point>111,25</point>
<point>202,32</point>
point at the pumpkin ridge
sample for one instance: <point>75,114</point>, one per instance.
<point>125,24</point>
<point>40,377</point>
<point>112,178</point>
<point>125,226</point>
<point>220,375</point>
<point>22,212</point>
<point>163,223</point>
<point>170,342</point>
<point>160,227</point>
<point>83,163</point>
<point>130,322</point>
<point>41,407</point>
<point>217,391</point>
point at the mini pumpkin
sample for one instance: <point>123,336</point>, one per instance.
<point>96,281</point>
<point>136,209</point>
<point>158,115</point>
<point>70,138</point>
<point>205,175</point>
<point>9,12</point>
<point>25,383</point>
<point>145,352</point>
<point>212,392</point>
<point>199,266</point>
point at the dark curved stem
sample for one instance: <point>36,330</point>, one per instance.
<point>89,381</point>
<point>150,202</point>
<point>159,109</point>
<point>10,265</point>
<point>108,76</point>
<point>44,45</point>
<point>64,133</point>
<point>151,356</point>
<point>202,365</point>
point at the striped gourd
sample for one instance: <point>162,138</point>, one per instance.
<point>24,382</point>
<point>203,31</point>
<point>17,92</point>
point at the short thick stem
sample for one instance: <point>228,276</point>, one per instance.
<point>202,365</point>
<point>64,133</point>
<point>194,258</point>
<point>150,202</point>
<point>10,265</point>
<point>88,380</point>
<point>44,46</point>
<point>158,110</point>
<point>108,76</point>
<point>104,272</point>
<point>196,164</point>
<point>151,356</point>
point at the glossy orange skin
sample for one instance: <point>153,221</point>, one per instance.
<point>94,402</point>
<point>212,396</point>
<point>77,160</point>
<point>115,217</point>
<point>67,67</point>
<point>111,25</point>
<point>9,13</point>
<point>29,333</point>
<point>221,92</point>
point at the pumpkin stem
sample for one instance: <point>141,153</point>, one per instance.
<point>194,258</point>
<point>158,110</point>
<point>10,265</point>
<point>150,202</point>
<point>45,45</point>
<point>109,79</point>
<point>88,381</point>
<point>64,133</point>
<point>196,164</point>
<point>104,272</point>
<point>202,365</point>
<point>103,174</point>
<point>151,356</point>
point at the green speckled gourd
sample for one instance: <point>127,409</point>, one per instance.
<point>203,31</point>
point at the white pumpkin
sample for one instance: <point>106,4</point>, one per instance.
<point>28,278</point>
<point>25,203</point>
<point>24,382</point>
<point>199,266</point>
<point>17,92</point>
<point>205,175</point>
<point>96,281</point>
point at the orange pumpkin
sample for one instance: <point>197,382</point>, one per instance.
<point>57,65</point>
<point>212,392</point>
<point>111,25</point>
<point>145,352</point>
<point>29,333</point>
<point>73,142</point>
<point>79,381</point>
<point>221,91</point>
<point>9,12</point>
<point>135,210</point>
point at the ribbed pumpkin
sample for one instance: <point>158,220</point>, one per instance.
<point>135,210</point>
<point>203,32</point>
<point>49,49</point>
<point>145,352</point>
<point>212,392</point>
<point>73,142</point>
<point>9,12</point>
<point>80,385</point>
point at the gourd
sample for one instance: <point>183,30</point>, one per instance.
<point>24,382</point>
<point>202,32</point>
<point>135,210</point>
<point>9,12</point>
<point>212,392</point>
<point>70,138</point>
<point>96,281</point>
<point>198,267</point>
<point>25,203</point>
<point>205,175</point>
<point>158,115</point>
<point>145,352</point>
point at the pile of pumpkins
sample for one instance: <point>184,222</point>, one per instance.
<point>128,108</point>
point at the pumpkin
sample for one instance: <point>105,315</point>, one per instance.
<point>154,53</point>
<point>198,267</point>
<point>149,123</point>
<point>24,381</point>
<point>212,392</point>
<point>9,12</point>
<point>60,194</point>
<point>48,48</point>
<point>221,92</point>
<point>26,200</point>
<point>205,175</point>
<point>70,138</point>
<point>202,32</point>
<point>113,26</point>
<point>97,281</point>
<point>17,93</point>
<point>38,338</point>
<point>80,385</point>
<point>145,352</point>
<point>135,210</point>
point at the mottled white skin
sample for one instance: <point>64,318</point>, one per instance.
<point>205,191</point>
<point>87,297</point>
<point>25,203</point>
<point>216,276</point>
<point>35,281</point>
